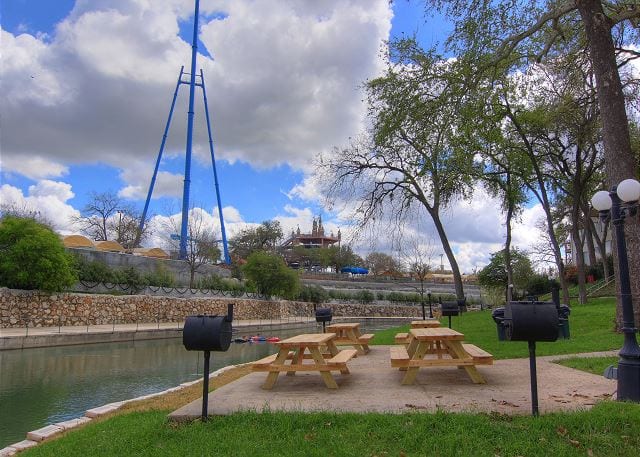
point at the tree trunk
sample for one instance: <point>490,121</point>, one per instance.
<point>602,246</point>
<point>579,253</point>
<point>588,234</point>
<point>620,162</point>
<point>507,242</point>
<point>457,277</point>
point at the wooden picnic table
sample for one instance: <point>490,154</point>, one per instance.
<point>294,350</point>
<point>404,338</point>
<point>448,348</point>
<point>427,323</point>
<point>348,334</point>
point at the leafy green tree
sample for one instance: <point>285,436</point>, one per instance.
<point>409,162</point>
<point>32,256</point>
<point>494,275</point>
<point>379,262</point>
<point>264,237</point>
<point>270,275</point>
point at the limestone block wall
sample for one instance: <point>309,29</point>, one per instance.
<point>19,308</point>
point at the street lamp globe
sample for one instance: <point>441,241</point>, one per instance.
<point>628,190</point>
<point>601,200</point>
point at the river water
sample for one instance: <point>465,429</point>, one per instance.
<point>43,386</point>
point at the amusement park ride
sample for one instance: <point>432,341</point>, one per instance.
<point>183,237</point>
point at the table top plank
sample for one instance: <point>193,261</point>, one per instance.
<point>435,334</point>
<point>344,326</point>
<point>428,323</point>
<point>307,339</point>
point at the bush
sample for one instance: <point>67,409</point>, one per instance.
<point>365,296</point>
<point>160,278</point>
<point>313,294</point>
<point>32,257</point>
<point>270,275</point>
<point>94,271</point>
<point>538,285</point>
<point>131,278</point>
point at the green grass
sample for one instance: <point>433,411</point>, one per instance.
<point>606,430</point>
<point>595,365</point>
<point>591,327</point>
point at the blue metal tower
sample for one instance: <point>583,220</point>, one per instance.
<point>187,166</point>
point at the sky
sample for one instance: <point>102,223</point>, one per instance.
<point>86,87</point>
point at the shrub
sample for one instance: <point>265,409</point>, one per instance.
<point>160,277</point>
<point>365,296</point>
<point>270,275</point>
<point>313,294</point>
<point>131,278</point>
<point>93,271</point>
<point>32,256</point>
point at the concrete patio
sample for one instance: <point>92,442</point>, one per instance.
<point>373,386</point>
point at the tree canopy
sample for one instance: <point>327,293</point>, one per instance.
<point>32,256</point>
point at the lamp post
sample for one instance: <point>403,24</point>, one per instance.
<point>430,310</point>
<point>618,203</point>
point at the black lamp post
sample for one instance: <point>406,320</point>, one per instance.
<point>430,310</point>
<point>622,201</point>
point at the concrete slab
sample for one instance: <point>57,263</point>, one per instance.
<point>22,445</point>
<point>373,386</point>
<point>8,451</point>
<point>102,410</point>
<point>43,433</point>
<point>72,423</point>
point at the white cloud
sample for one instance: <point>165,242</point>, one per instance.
<point>283,87</point>
<point>48,199</point>
<point>33,167</point>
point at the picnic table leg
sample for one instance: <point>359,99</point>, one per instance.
<point>326,375</point>
<point>272,377</point>
<point>412,372</point>
<point>297,359</point>
<point>352,336</point>
<point>457,352</point>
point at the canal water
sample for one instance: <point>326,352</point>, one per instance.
<point>43,386</point>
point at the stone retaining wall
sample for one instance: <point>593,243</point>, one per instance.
<point>19,308</point>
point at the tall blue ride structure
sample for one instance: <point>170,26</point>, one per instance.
<point>187,166</point>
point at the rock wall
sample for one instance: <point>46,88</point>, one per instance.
<point>19,308</point>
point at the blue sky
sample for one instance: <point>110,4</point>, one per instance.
<point>87,87</point>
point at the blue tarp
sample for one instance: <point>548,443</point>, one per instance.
<point>354,270</point>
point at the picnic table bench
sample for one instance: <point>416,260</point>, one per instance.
<point>294,350</point>
<point>348,334</point>
<point>448,347</point>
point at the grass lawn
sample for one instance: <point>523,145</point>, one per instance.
<point>591,327</point>
<point>595,365</point>
<point>609,429</point>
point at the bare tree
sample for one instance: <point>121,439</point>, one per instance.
<point>202,245</point>
<point>95,215</point>
<point>417,254</point>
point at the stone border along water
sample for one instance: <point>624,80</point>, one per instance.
<point>37,436</point>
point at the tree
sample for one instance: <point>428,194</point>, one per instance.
<point>418,257</point>
<point>379,262</point>
<point>32,256</point>
<point>270,275</point>
<point>494,275</point>
<point>264,237</point>
<point>511,34</point>
<point>107,217</point>
<point>202,246</point>
<point>409,160</point>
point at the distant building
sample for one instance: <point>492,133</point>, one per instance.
<point>315,239</point>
